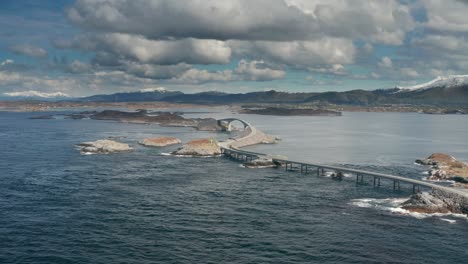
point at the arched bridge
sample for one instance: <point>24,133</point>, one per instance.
<point>226,123</point>
<point>250,135</point>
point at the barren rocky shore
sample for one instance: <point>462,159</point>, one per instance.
<point>445,167</point>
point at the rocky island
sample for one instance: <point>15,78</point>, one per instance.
<point>442,167</point>
<point>199,147</point>
<point>437,201</point>
<point>445,167</point>
<point>159,142</point>
<point>291,111</point>
<point>104,146</point>
<point>163,119</point>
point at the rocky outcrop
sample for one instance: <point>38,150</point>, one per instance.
<point>159,142</point>
<point>291,111</point>
<point>199,147</point>
<point>261,163</point>
<point>207,124</point>
<point>338,176</point>
<point>437,201</point>
<point>162,118</point>
<point>445,167</point>
<point>104,146</point>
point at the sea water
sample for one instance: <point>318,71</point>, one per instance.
<point>58,206</point>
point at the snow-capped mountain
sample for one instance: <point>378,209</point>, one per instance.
<point>36,94</point>
<point>150,90</point>
<point>441,81</point>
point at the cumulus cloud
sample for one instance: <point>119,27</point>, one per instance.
<point>335,69</point>
<point>29,50</point>
<point>141,49</point>
<point>386,62</point>
<point>245,71</point>
<point>257,71</point>
<point>385,21</point>
<point>444,42</point>
<point>299,53</point>
<point>280,20</point>
<point>163,39</point>
<point>77,66</point>
<point>160,42</point>
<point>159,72</point>
<point>446,16</point>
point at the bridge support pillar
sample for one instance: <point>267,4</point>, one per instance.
<point>359,178</point>
<point>396,184</point>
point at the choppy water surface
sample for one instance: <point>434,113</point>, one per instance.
<point>58,206</point>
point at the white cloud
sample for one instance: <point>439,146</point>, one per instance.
<point>6,62</point>
<point>257,71</point>
<point>155,71</point>
<point>437,42</point>
<point>29,50</point>
<point>384,21</point>
<point>335,69</point>
<point>138,48</point>
<point>298,53</point>
<point>446,16</point>
<point>78,67</point>
<point>386,62</point>
<point>245,71</point>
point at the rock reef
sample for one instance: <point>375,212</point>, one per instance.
<point>104,146</point>
<point>261,163</point>
<point>159,142</point>
<point>437,201</point>
<point>199,147</point>
<point>445,167</point>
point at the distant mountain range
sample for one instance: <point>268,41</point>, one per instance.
<point>145,95</point>
<point>442,91</point>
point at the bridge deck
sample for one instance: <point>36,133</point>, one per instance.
<point>227,147</point>
<point>349,170</point>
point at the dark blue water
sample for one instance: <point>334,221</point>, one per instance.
<point>57,206</point>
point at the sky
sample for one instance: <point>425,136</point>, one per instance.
<point>86,47</point>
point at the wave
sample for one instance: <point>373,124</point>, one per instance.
<point>330,173</point>
<point>441,181</point>
<point>188,156</point>
<point>393,205</point>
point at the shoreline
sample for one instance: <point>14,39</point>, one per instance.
<point>40,106</point>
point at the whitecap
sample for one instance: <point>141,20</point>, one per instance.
<point>451,221</point>
<point>393,205</point>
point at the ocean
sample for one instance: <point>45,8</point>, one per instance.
<point>58,206</point>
